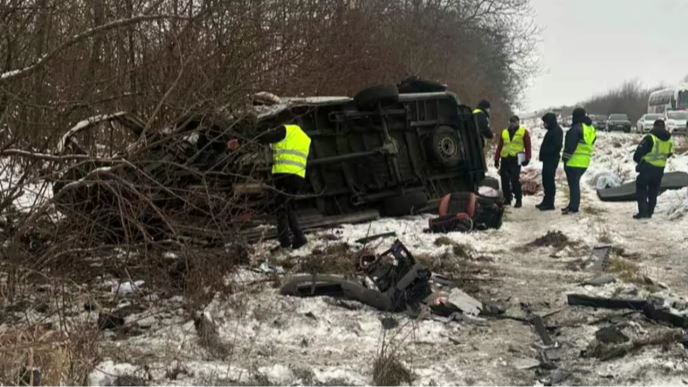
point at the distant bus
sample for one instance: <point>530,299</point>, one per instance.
<point>668,99</point>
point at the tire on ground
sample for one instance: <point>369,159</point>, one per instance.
<point>404,204</point>
<point>445,146</point>
<point>490,182</point>
<point>369,98</point>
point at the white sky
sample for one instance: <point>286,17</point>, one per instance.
<point>589,46</point>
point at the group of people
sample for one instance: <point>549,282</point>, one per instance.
<point>514,151</point>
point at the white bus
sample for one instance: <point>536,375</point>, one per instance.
<point>668,99</point>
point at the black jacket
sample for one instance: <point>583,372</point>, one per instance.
<point>646,144</point>
<point>483,119</point>
<point>573,137</point>
<point>272,136</point>
<point>550,150</point>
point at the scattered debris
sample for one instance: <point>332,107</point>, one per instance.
<point>599,258</point>
<point>467,304</point>
<point>555,239</point>
<point>531,182</point>
<point>601,280</point>
<point>389,323</point>
<point>612,351</point>
<point>607,303</point>
<point>268,268</point>
<point>611,335</point>
<point>392,282</point>
<point>366,240</point>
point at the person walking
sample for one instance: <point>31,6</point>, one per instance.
<point>578,148</point>
<point>290,150</point>
<point>513,152</point>
<point>550,153</point>
<point>651,156</point>
<point>482,116</point>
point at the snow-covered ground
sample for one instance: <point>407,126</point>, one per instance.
<point>263,337</point>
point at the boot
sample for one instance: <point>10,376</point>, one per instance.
<point>547,207</point>
<point>639,216</point>
<point>518,204</point>
<point>299,242</point>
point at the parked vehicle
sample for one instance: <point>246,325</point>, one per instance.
<point>599,121</point>
<point>676,121</point>
<point>618,122</point>
<point>645,123</point>
<point>567,121</point>
<point>674,98</point>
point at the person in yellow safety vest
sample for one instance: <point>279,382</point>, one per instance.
<point>513,143</point>
<point>651,156</point>
<point>290,150</point>
<point>578,148</point>
<point>482,116</point>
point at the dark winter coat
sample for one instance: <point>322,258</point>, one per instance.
<point>550,150</point>
<point>483,119</point>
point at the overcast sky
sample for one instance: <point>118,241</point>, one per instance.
<point>589,46</point>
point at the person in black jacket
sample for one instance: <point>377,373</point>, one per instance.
<point>651,156</point>
<point>482,115</point>
<point>550,153</point>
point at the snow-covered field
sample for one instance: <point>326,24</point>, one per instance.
<point>260,337</point>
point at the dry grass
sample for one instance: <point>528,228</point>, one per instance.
<point>388,370</point>
<point>626,270</point>
<point>63,359</point>
<point>605,237</point>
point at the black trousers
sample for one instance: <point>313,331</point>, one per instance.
<point>287,186</point>
<point>549,171</point>
<point>510,172</point>
<point>573,177</point>
<point>647,188</point>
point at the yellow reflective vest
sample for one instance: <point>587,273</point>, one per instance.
<point>660,152</point>
<point>583,154</point>
<point>290,156</point>
<point>513,146</point>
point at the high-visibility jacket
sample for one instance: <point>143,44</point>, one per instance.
<point>290,156</point>
<point>583,154</point>
<point>660,152</point>
<point>476,111</point>
<point>513,146</point>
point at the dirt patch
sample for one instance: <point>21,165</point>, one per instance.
<point>555,239</point>
<point>337,258</point>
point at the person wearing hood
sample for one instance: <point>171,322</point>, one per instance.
<point>579,144</point>
<point>482,116</point>
<point>651,156</point>
<point>550,153</point>
<point>515,140</point>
